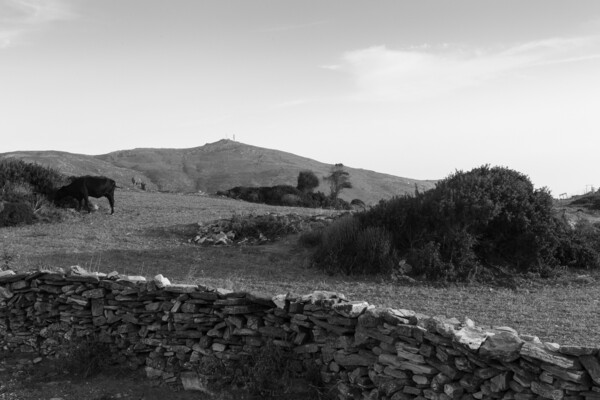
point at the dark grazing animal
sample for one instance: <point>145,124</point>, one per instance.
<point>84,186</point>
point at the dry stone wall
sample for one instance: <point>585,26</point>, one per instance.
<point>363,352</point>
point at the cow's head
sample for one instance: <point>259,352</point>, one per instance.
<point>60,194</point>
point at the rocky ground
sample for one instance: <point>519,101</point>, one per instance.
<point>258,229</point>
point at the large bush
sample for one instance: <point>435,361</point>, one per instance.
<point>472,221</point>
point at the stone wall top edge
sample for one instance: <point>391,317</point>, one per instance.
<point>464,332</point>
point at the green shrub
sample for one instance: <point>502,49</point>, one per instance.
<point>14,214</point>
<point>311,238</point>
<point>347,247</point>
<point>43,180</point>
<point>285,195</point>
<point>487,218</point>
<point>7,260</point>
<point>338,180</point>
<point>307,181</point>
<point>375,252</point>
<point>580,248</point>
<point>31,185</point>
<point>591,201</point>
<point>85,357</point>
<point>267,372</point>
<point>291,200</point>
<point>427,261</point>
<point>336,253</point>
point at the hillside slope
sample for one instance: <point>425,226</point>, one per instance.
<point>217,166</point>
<point>72,164</point>
<point>226,164</point>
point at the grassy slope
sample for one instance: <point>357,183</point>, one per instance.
<point>78,164</point>
<point>148,235</point>
<point>226,164</point>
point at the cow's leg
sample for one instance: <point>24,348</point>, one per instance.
<point>111,200</point>
<point>86,199</point>
<point>87,203</point>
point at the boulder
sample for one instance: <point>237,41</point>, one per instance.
<point>503,346</point>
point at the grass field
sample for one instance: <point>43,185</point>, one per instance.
<point>149,233</point>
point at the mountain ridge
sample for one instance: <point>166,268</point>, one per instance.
<point>218,166</point>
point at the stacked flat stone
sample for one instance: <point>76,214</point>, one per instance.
<point>364,351</point>
<point>226,231</point>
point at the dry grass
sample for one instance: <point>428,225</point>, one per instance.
<point>149,235</point>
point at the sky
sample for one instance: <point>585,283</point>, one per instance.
<point>418,89</point>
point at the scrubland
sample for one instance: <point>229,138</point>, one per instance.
<point>150,233</point>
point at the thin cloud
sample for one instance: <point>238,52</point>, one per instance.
<point>291,103</point>
<point>21,17</point>
<point>424,72</point>
<point>590,57</point>
<point>291,27</point>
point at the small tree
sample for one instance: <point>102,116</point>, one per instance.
<point>307,181</point>
<point>338,180</point>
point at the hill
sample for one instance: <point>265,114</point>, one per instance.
<point>72,164</point>
<point>218,166</point>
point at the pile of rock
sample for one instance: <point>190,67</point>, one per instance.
<point>257,229</point>
<point>364,351</point>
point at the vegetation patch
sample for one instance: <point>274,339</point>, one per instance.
<point>13,214</point>
<point>348,247</point>
<point>285,195</point>
<point>267,372</point>
<point>590,201</point>
<point>84,357</point>
<point>488,220</point>
<point>302,195</point>
<point>26,192</point>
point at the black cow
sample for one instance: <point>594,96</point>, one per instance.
<point>84,186</point>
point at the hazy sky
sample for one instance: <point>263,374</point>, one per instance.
<point>410,88</point>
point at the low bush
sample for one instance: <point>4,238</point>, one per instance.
<point>14,214</point>
<point>84,357</point>
<point>7,260</point>
<point>29,189</point>
<point>285,195</point>
<point>591,201</point>
<point>268,372</point>
<point>347,247</point>
<point>580,247</point>
<point>43,180</point>
<point>311,237</point>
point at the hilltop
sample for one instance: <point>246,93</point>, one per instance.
<point>217,166</point>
